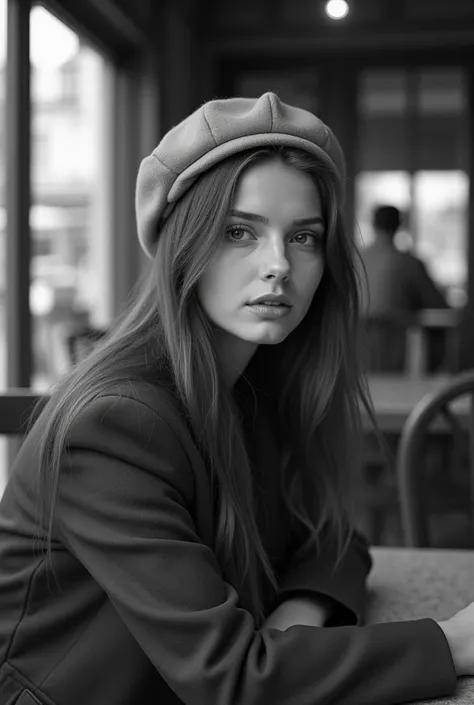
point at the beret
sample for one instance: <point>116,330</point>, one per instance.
<point>213,132</point>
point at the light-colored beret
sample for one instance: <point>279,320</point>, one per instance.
<point>215,131</point>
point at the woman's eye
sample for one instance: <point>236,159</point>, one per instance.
<point>313,239</point>
<point>236,233</point>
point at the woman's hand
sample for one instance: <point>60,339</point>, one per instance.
<point>308,611</point>
<point>459,631</point>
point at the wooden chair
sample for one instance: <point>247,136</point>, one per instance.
<point>448,415</point>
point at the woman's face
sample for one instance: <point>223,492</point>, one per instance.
<point>273,244</point>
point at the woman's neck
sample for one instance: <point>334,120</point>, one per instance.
<point>234,354</point>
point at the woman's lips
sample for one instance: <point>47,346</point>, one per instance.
<point>269,311</point>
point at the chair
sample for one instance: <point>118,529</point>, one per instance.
<point>16,407</point>
<point>385,346</point>
<point>448,415</point>
<point>441,328</point>
<point>411,344</point>
<point>390,345</point>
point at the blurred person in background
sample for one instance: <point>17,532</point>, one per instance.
<point>398,282</point>
<point>397,287</point>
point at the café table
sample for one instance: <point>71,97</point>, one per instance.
<point>395,395</point>
<point>413,583</point>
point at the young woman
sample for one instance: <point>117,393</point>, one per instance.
<point>178,525</point>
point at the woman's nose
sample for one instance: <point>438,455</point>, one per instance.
<point>275,262</point>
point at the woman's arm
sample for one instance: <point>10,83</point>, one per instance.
<point>309,611</point>
<point>310,573</point>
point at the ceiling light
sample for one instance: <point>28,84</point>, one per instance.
<point>337,9</point>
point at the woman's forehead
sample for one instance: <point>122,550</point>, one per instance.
<point>277,187</point>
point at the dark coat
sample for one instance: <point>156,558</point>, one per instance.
<point>138,611</point>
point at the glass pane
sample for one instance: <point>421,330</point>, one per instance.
<point>382,92</point>
<point>377,188</point>
<point>441,222</point>
<point>441,121</point>
<point>412,153</point>
<point>298,88</point>
<point>382,108</point>
<point>70,286</point>
<point>441,184</point>
<point>442,91</point>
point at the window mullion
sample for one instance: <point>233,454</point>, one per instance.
<point>18,195</point>
<point>412,81</point>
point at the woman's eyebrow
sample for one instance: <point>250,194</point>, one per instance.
<point>316,219</point>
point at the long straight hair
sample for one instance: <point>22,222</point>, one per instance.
<point>313,377</point>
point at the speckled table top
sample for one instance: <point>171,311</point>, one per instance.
<point>412,583</point>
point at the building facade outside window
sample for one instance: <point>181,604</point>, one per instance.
<point>70,287</point>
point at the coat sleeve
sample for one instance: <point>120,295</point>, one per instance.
<point>125,510</point>
<point>315,573</point>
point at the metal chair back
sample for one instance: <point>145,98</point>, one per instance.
<point>447,411</point>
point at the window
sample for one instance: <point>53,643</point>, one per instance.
<point>413,154</point>
<point>85,105</point>
<point>378,187</point>
<point>440,224</point>
<point>70,286</point>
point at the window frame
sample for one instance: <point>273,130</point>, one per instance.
<point>131,92</point>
